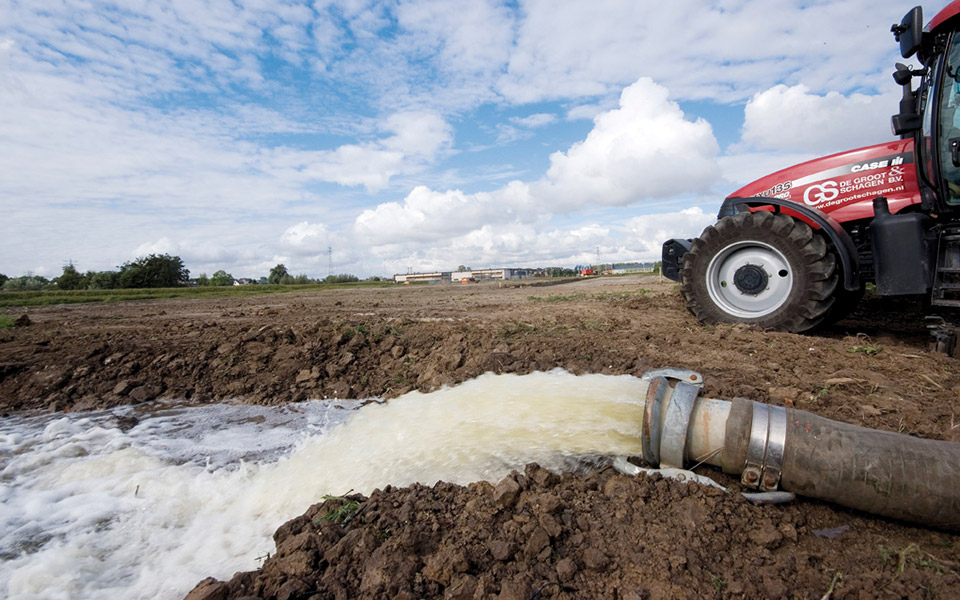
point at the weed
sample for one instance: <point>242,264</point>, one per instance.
<point>910,552</point>
<point>868,350</point>
<point>342,514</point>
<point>398,380</point>
<point>514,328</point>
<point>559,298</point>
<point>6,322</point>
<point>360,329</point>
<point>719,584</point>
<point>819,392</point>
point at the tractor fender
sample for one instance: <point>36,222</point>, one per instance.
<point>837,235</point>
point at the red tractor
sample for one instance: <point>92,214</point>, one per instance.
<point>793,250</point>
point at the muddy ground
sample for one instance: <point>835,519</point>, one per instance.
<point>535,534</point>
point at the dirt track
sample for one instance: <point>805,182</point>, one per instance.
<point>592,535</point>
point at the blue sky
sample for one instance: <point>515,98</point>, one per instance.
<point>238,134</point>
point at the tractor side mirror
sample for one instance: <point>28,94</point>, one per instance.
<point>909,32</point>
<point>908,119</point>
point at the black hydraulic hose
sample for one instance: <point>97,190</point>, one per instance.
<point>878,472</point>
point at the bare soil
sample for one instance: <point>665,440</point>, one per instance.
<point>535,534</point>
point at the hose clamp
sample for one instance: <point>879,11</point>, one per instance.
<point>768,433</point>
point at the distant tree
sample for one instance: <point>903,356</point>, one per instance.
<point>287,280</point>
<point>3,279</point>
<point>102,280</point>
<point>302,279</point>
<point>71,279</point>
<point>203,280</point>
<point>221,277</point>
<point>657,266</point>
<point>277,274</point>
<point>26,283</point>
<point>462,268</point>
<point>374,278</point>
<point>341,278</point>
<point>154,271</point>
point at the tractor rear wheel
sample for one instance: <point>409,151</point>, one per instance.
<point>760,268</point>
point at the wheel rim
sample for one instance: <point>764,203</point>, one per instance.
<point>749,279</point>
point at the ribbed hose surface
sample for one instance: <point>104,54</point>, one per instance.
<point>879,472</point>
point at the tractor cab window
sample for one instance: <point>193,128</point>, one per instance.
<point>949,122</point>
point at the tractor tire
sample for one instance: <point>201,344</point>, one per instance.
<point>760,268</point>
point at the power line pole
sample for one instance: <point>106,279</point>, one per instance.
<point>329,261</point>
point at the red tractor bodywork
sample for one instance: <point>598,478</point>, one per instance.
<point>844,185</point>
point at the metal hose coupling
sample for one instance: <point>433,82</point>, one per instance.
<point>671,396</point>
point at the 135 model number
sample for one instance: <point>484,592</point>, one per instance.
<point>777,189</point>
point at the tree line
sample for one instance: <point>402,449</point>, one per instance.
<point>152,271</point>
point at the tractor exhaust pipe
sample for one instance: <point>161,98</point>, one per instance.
<point>770,447</point>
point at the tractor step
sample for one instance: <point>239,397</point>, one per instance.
<point>943,302</point>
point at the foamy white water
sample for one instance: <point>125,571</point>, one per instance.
<point>90,511</point>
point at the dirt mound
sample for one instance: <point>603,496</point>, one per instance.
<point>598,535</point>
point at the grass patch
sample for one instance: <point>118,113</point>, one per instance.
<point>864,349</point>
<point>559,298</point>
<point>602,296</point>
<point>53,297</point>
<point>343,513</point>
<point>6,322</point>
<point>517,328</point>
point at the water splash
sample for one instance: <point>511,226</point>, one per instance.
<point>90,511</point>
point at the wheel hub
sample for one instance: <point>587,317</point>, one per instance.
<point>750,279</point>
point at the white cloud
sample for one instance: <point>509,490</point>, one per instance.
<point>644,149</point>
<point>535,120</point>
<point>725,51</point>
<point>794,119</point>
<point>303,234</point>
<point>427,216</point>
<point>648,232</point>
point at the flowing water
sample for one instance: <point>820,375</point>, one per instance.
<point>90,511</point>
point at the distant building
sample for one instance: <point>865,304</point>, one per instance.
<point>627,268</point>
<point>439,277</point>
<point>488,274</point>
<point>461,276</point>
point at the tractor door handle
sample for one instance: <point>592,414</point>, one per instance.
<point>955,151</point>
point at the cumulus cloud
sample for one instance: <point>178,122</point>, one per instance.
<point>416,139</point>
<point>791,118</point>
<point>644,149</point>
<point>647,233</point>
<point>426,215</point>
<point>306,237</point>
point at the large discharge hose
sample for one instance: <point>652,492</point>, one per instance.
<point>771,447</point>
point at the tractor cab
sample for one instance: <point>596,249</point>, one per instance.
<point>931,114</point>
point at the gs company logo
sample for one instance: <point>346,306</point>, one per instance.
<point>820,193</point>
